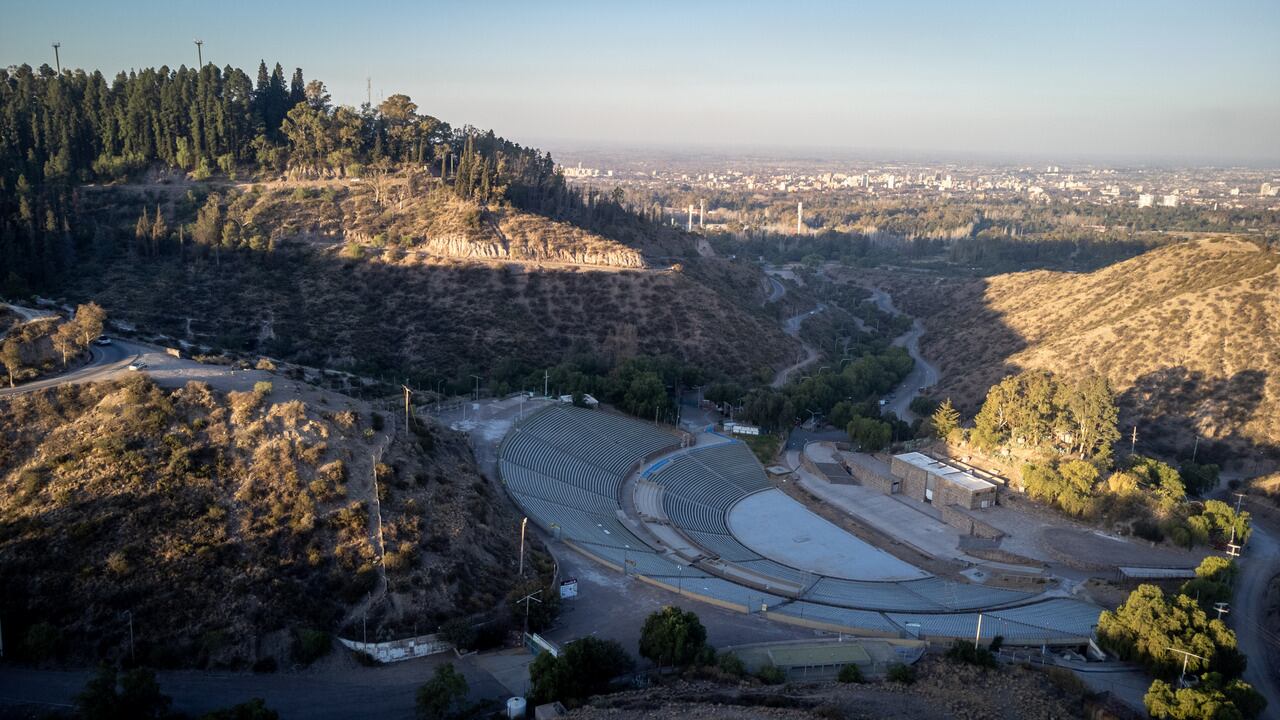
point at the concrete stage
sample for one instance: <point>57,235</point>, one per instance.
<point>783,530</point>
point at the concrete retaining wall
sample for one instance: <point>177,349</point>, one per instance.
<point>964,521</point>
<point>397,650</point>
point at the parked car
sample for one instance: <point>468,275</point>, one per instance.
<point>102,340</point>
<point>137,365</point>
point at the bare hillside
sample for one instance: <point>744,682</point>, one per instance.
<point>1189,334</point>
<point>225,522</point>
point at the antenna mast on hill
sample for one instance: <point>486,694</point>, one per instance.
<point>199,52</point>
<point>368,91</point>
<point>57,60</point>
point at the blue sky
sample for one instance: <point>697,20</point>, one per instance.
<point>1135,80</point>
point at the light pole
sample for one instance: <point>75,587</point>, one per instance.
<point>407,393</point>
<point>524,522</point>
<point>199,52</point>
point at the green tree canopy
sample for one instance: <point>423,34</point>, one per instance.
<point>672,637</point>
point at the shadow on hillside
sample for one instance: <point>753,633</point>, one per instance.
<point>1174,406</point>
<point>428,321</point>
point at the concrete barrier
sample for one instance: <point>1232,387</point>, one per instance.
<point>397,650</point>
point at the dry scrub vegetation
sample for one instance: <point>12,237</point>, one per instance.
<point>386,305</point>
<point>223,522</point>
<point>1188,334</point>
<point>943,689</point>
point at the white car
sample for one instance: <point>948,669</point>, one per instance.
<point>102,340</point>
<point>137,365</point>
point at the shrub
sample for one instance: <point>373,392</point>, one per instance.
<point>901,673</point>
<point>310,645</point>
<point>966,652</point>
<point>850,674</point>
<point>771,675</point>
<point>731,664</point>
<point>262,388</point>
<point>441,696</point>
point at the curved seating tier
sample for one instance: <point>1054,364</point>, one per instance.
<point>566,466</point>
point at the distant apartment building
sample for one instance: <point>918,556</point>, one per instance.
<point>1269,189</point>
<point>1146,200</point>
<point>1170,201</point>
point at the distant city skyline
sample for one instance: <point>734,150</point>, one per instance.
<point>1166,82</point>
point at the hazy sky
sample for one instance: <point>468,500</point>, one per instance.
<point>1166,80</point>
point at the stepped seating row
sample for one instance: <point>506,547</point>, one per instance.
<point>963,596</point>
<point>531,452</point>
<point>735,463</point>
<point>870,595</point>
<point>610,442</point>
<point>579,525</point>
<point>690,515</point>
<point>523,481</point>
<point>644,562</point>
<point>1058,618</point>
<point>693,482</point>
<point>725,547</point>
<point>844,617</point>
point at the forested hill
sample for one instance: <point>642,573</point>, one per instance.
<point>59,131</point>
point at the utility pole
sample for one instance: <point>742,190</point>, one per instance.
<point>523,523</point>
<point>1239,497</point>
<point>477,390</point>
<point>799,218</point>
<point>368,91</point>
<point>690,226</point>
<point>546,383</point>
<point>977,636</point>
<point>1133,440</point>
<point>702,209</point>
<point>1186,657</point>
<point>531,597</point>
<point>1221,607</point>
<point>1194,448</point>
<point>199,52</point>
<point>407,416</point>
<point>57,60</point>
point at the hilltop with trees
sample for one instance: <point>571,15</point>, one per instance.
<point>258,216</point>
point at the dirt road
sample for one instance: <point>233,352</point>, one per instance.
<point>922,375</point>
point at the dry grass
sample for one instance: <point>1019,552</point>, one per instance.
<point>220,520</point>
<point>1189,334</point>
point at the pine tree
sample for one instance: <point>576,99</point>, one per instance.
<point>945,419</point>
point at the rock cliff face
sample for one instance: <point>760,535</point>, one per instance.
<point>435,223</point>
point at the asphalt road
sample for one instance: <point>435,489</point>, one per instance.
<point>1259,563</point>
<point>792,328</point>
<point>104,361</point>
<point>922,375</point>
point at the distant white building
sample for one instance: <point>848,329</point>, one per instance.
<point>1269,190</point>
<point>1146,200</point>
<point>1169,200</point>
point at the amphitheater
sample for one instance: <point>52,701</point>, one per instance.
<point>705,522</point>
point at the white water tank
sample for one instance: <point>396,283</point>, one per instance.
<point>516,708</point>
